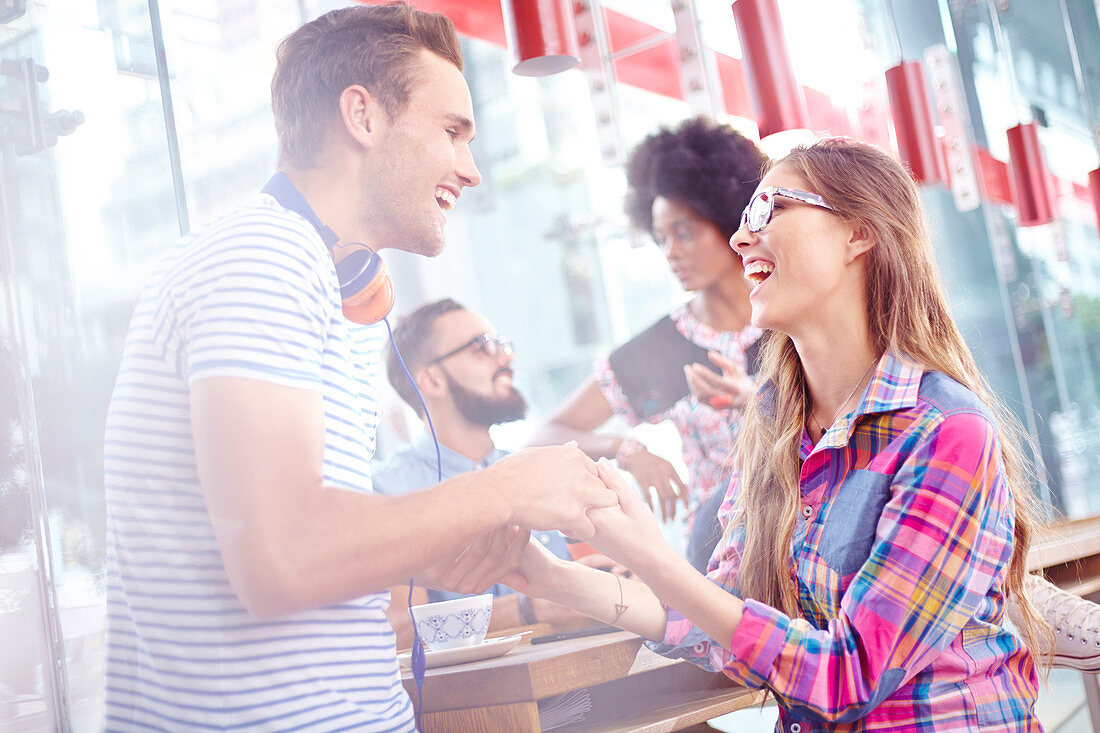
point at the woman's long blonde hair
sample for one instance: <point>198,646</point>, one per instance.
<point>907,314</point>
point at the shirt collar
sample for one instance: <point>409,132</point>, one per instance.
<point>453,463</point>
<point>894,385</point>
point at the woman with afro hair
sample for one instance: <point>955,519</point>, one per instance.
<point>687,188</point>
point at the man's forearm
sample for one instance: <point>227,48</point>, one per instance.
<point>336,544</point>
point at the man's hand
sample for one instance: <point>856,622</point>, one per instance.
<point>654,473</point>
<point>731,388</point>
<point>629,533</point>
<point>551,488</point>
<point>480,564</point>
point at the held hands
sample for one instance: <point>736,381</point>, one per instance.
<point>481,564</point>
<point>535,571</point>
<point>731,388</point>
<point>629,532</point>
<point>655,473</point>
<point>551,488</point>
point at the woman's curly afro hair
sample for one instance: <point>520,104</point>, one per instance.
<point>711,168</point>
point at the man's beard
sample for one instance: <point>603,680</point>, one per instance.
<point>486,411</point>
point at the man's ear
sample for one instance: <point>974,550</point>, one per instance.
<point>860,241</point>
<point>430,381</point>
<point>361,114</point>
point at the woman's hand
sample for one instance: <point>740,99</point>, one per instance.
<point>629,533</point>
<point>654,473</point>
<point>731,388</point>
<point>535,571</point>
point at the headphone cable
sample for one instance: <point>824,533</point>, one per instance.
<point>419,662</point>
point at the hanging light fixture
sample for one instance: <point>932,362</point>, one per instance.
<point>540,35</point>
<point>914,124</point>
<point>1083,90</point>
<point>780,105</point>
<point>1031,185</point>
<point>1094,187</point>
<point>1031,189</point>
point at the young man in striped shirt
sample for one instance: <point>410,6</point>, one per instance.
<point>248,556</point>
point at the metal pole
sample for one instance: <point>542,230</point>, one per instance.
<point>55,671</point>
<point>894,30</point>
<point>1008,63</point>
<point>169,117</point>
<point>1079,76</point>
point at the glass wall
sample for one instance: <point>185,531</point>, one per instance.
<point>541,247</point>
<point>82,222</point>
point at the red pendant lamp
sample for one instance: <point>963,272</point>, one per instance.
<point>1032,189</point>
<point>1083,90</point>
<point>914,123</point>
<point>1031,184</point>
<point>1094,187</point>
<point>780,104</point>
<point>540,35</point>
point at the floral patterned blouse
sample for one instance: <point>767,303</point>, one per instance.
<point>706,433</point>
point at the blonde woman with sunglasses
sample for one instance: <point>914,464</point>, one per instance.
<point>881,514</point>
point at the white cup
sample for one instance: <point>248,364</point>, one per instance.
<point>455,623</point>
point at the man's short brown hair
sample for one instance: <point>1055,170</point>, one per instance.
<point>371,45</point>
<point>417,340</point>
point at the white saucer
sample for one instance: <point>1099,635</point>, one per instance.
<point>485,650</point>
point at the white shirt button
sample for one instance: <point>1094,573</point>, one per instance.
<point>807,512</point>
<point>796,727</point>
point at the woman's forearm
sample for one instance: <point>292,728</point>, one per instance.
<point>601,595</point>
<point>715,611</point>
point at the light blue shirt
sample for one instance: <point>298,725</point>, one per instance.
<point>414,467</point>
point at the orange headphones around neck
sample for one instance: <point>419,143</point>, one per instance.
<point>366,290</point>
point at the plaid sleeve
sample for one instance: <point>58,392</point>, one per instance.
<point>943,540</point>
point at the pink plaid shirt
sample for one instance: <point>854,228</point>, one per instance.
<point>900,562</point>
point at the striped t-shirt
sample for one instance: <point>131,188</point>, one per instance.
<point>252,295</point>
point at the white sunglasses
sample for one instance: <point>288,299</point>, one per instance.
<point>759,211</point>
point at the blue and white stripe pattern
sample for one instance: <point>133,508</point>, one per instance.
<point>252,295</point>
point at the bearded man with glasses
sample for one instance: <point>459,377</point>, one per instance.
<point>463,369</point>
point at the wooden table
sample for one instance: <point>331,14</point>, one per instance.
<point>631,688</point>
<point>1068,553</point>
